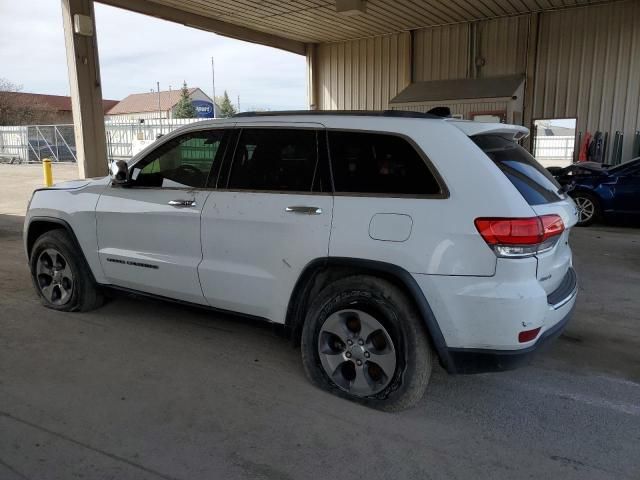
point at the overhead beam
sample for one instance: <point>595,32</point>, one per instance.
<point>209,24</point>
<point>85,86</point>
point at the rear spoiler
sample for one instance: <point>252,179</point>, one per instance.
<point>471,129</point>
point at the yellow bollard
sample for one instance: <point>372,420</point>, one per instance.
<point>46,170</point>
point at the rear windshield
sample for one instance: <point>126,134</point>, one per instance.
<point>532,180</point>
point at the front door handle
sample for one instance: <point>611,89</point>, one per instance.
<point>182,203</point>
<point>304,210</point>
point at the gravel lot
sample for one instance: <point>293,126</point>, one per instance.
<point>145,390</point>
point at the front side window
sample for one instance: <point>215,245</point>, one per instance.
<point>275,160</point>
<point>379,164</point>
<point>184,161</point>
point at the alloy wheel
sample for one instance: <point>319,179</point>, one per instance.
<point>357,352</point>
<point>586,209</point>
<point>54,277</point>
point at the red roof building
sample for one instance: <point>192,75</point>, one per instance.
<point>55,108</point>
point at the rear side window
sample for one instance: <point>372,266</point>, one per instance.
<point>378,163</point>
<point>274,160</point>
<point>532,180</point>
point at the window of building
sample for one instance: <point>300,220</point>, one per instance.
<point>378,163</point>
<point>554,141</point>
<point>275,160</point>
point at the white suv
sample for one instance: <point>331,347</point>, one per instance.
<point>380,240</point>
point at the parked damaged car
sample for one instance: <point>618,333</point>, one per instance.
<point>602,192</point>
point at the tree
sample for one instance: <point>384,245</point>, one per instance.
<point>184,108</point>
<point>226,108</point>
<point>20,109</point>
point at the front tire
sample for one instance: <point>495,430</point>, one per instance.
<point>61,276</point>
<point>364,340</point>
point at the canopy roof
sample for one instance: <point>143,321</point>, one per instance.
<point>289,24</point>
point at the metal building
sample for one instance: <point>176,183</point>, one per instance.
<point>577,59</point>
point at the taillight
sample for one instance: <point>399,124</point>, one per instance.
<point>552,225</point>
<point>520,237</point>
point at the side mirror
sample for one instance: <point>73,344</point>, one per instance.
<point>119,172</point>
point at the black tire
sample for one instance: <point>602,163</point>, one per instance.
<point>392,308</point>
<point>583,199</point>
<point>84,294</point>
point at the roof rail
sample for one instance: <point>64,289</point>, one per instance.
<point>361,113</point>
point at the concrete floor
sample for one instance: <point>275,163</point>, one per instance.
<point>18,181</point>
<point>146,390</point>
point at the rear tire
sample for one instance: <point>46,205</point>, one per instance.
<point>588,208</point>
<point>364,340</point>
<point>61,276</point>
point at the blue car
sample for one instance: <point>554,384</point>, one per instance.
<point>602,192</point>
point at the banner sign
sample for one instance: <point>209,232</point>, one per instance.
<point>204,108</point>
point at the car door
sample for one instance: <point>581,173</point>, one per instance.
<point>627,191</point>
<point>149,230</point>
<point>269,217</point>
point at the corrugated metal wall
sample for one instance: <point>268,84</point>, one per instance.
<point>363,74</point>
<point>587,64</point>
<point>502,43</point>
<point>441,53</point>
<point>367,73</point>
<point>592,70</point>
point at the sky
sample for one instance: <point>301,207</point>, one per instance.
<point>137,51</point>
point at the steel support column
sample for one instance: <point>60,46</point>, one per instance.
<point>530,81</point>
<point>312,76</point>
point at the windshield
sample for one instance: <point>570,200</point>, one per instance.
<point>532,180</point>
<point>623,166</point>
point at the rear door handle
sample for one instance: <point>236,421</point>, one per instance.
<point>182,203</point>
<point>304,210</point>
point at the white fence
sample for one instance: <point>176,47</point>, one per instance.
<point>554,151</point>
<point>14,144</point>
<point>125,139</point>
<point>32,143</point>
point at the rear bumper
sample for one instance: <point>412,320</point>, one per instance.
<point>479,360</point>
<point>481,318</point>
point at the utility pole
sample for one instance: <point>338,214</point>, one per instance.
<point>213,87</point>
<point>238,103</point>
<point>159,108</point>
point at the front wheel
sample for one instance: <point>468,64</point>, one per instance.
<point>588,208</point>
<point>363,340</point>
<point>61,276</point>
